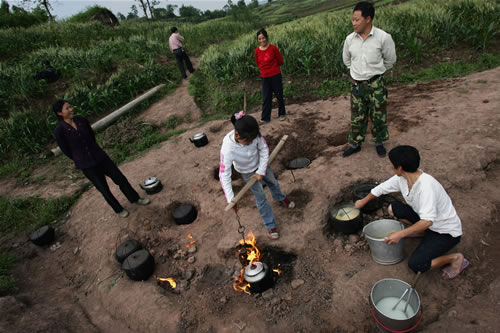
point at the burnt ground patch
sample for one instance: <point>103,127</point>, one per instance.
<point>304,140</point>
<point>277,258</point>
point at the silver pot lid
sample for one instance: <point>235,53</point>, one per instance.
<point>151,181</point>
<point>198,136</point>
<point>255,272</point>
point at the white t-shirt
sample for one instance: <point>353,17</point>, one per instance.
<point>245,158</point>
<point>428,199</point>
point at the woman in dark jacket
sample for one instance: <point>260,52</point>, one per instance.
<point>269,60</point>
<point>75,137</point>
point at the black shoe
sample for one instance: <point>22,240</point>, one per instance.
<point>381,150</point>
<point>351,150</point>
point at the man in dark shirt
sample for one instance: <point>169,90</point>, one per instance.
<point>75,137</point>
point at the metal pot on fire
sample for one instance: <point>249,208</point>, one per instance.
<point>199,139</point>
<point>346,219</point>
<point>259,276</point>
<point>152,185</point>
<point>362,190</point>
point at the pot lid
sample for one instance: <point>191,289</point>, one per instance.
<point>299,163</point>
<point>255,271</point>
<point>346,213</point>
<point>198,136</point>
<point>150,181</point>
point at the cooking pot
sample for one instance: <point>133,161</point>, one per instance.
<point>362,190</point>
<point>152,185</point>
<point>43,236</point>
<point>139,265</point>
<point>199,140</point>
<point>259,276</point>
<point>127,248</point>
<point>185,214</point>
<point>346,219</point>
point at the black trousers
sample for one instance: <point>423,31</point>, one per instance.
<point>433,244</point>
<point>270,85</point>
<point>182,57</point>
<point>97,175</point>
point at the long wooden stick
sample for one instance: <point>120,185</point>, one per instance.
<point>253,180</point>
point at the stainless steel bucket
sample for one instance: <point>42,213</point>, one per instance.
<point>394,288</point>
<point>383,253</point>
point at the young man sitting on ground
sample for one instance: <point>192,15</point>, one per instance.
<point>428,210</point>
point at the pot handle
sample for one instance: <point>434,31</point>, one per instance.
<point>191,140</point>
<point>142,186</point>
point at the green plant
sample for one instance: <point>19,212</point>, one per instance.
<point>7,281</point>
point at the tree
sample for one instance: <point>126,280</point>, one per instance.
<point>134,13</point>
<point>144,7</point>
<point>121,17</point>
<point>45,4</point>
<point>189,12</point>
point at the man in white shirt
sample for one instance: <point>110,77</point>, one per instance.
<point>175,43</point>
<point>368,53</point>
<point>428,209</point>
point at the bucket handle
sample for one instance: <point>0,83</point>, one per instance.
<point>405,331</point>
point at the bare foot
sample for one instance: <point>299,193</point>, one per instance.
<point>455,267</point>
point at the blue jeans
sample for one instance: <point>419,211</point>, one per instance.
<point>263,206</point>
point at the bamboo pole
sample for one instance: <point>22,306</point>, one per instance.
<point>104,122</point>
<point>253,180</point>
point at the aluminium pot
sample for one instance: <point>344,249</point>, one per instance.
<point>152,185</point>
<point>199,140</point>
<point>259,276</point>
<point>394,288</point>
<point>346,219</point>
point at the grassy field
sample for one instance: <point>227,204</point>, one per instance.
<point>312,48</point>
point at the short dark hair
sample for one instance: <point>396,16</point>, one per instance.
<point>406,157</point>
<point>262,32</point>
<point>174,29</point>
<point>366,9</point>
<point>247,127</point>
<point>57,107</point>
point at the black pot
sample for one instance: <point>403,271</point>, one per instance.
<point>127,248</point>
<point>152,185</point>
<point>185,214</point>
<point>139,265</point>
<point>199,140</point>
<point>43,236</point>
<point>362,190</point>
<point>346,219</point>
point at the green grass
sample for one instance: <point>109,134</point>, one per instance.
<point>28,214</point>
<point>7,281</point>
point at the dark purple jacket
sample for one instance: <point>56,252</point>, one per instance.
<point>79,144</point>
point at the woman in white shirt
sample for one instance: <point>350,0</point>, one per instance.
<point>428,209</point>
<point>245,148</point>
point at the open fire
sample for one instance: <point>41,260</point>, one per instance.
<point>250,255</point>
<point>171,281</point>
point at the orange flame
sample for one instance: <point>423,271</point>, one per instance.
<point>253,251</point>
<point>253,254</point>
<point>190,243</point>
<point>277,271</point>
<point>172,282</point>
<point>240,284</point>
<point>190,235</point>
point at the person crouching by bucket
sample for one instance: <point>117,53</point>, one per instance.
<point>245,148</point>
<point>428,209</point>
<point>75,137</point>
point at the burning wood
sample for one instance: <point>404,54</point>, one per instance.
<point>190,236</point>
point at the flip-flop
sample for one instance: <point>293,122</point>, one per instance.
<point>450,273</point>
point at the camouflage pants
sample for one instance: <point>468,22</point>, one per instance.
<point>368,100</point>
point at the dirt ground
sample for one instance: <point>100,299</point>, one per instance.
<point>326,277</point>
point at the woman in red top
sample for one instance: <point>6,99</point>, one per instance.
<point>269,60</point>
